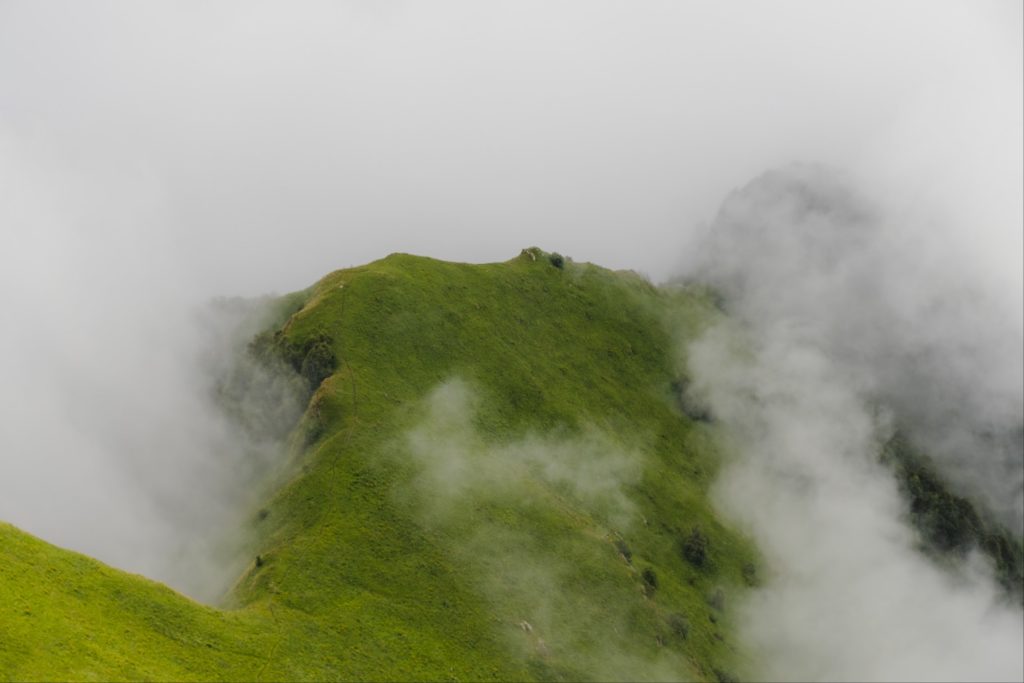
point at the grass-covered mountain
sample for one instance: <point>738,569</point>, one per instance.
<point>495,477</point>
<point>500,474</point>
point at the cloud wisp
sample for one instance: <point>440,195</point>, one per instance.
<point>503,508</point>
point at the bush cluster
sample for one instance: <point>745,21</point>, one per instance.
<point>318,364</point>
<point>314,360</point>
<point>695,548</point>
<point>950,524</point>
<point>650,580</point>
<point>679,625</point>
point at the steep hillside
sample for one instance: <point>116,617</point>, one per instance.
<point>495,478</point>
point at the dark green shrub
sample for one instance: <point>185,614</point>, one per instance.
<point>261,345</point>
<point>557,260</point>
<point>750,574</point>
<point>318,364</point>
<point>650,579</point>
<point>679,625</point>
<point>695,548</point>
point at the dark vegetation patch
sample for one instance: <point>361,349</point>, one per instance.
<point>950,525</point>
<point>723,676</point>
<point>318,363</point>
<point>679,625</point>
<point>624,550</point>
<point>695,548</point>
<point>692,406</point>
<point>716,600</point>
<point>256,387</point>
<point>749,573</point>
<point>313,358</point>
<point>650,579</point>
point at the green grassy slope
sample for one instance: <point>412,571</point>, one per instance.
<point>64,616</point>
<point>495,482</point>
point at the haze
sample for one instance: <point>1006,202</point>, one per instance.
<point>156,155</point>
<point>277,142</point>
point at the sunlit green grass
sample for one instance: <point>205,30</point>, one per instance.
<point>354,581</point>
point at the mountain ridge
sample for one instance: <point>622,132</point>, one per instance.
<point>353,576</point>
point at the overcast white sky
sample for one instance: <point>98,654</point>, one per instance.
<point>249,147</point>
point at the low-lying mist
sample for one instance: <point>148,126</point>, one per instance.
<point>116,438</point>
<point>845,323</point>
<point>150,461</point>
<point>503,509</point>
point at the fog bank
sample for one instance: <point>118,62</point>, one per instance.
<point>847,319</point>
